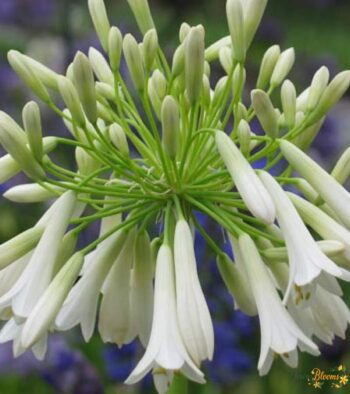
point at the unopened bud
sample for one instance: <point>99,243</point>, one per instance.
<point>253,13</point>
<point>267,66</point>
<point>283,66</point>
<point>32,125</point>
<point>235,18</point>
<point>142,14</point>
<point>86,163</point>
<point>14,142</point>
<point>184,30</point>
<point>194,63</point>
<point>206,91</point>
<point>341,171</point>
<point>170,125</point>
<point>105,90</point>
<point>219,89</point>
<point>31,193</point>
<point>71,99</point>
<point>288,98</point>
<point>317,88</point>
<point>115,47</point>
<point>265,112</point>
<point>100,20</point>
<point>19,65</point>
<point>244,137</point>
<point>100,67</point>
<point>134,62</point>
<point>226,59</point>
<point>150,48</point>
<point>238,81</point>
<point>85,85</point>
<point>212,52</point>
<point>118,138</point>
<point>178,61</point>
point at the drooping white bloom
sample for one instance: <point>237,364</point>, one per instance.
<point>194,318</point>
<point>80,306</point>
<point>12,331</point>
<point>247,182</point>
<point>39,271</point>
<point>165,348</point>
<point>49,304</point>
<point>115,319</point>
<point>306,260</point>
<point>279,332</point>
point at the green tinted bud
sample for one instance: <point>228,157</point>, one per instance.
<point>134,62</point>
<point>241,112</point>
<point>85,85</point>
<point>332,94</point>
<point>86,163</point>
<point>288,98</point>
<point>305,139</point>
<point>184,30</point>
<point>118,137</point>
<point>302,100</point>
<point>106,91</point>
<point>170,125</point>
<point>265,112</point>
<point>194,63</point>
<point>150,48</point>
<point>238,82</point>
<point>219,89</point>
<point>253,13</point>
<point>207,70</point>
<point>154,98</point>
<point>235,18</point>
<point>142,14</point>
<point>104,113</point>
<point>212,52</point>
<point>70,72</point>
<point>341,171</point>
<point>115,47</point>
<point>13,140</point>
<point>283,66</point>
<point>29,78</point>
<point>18,246</point>
<point>100,67</point>
<point>100,20</point>
<point>32,125</point>
<point>226,60</point>
<point>244,137</point>
<point>160,83</point>
<point>178,61</point>
<point>267,66</point>
<point>317,88</point>
<point>31,193</point>
<point>47,76</point>
<point>71,99</point>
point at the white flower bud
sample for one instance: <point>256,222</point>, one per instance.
<point>115,47</point>
<point>194,63</point>
<point>212,52</point>
<point>184,30</point>
<point>100,20</point>
<point>30,193</point>
<point>118,137</point>
<point>253,13</point>
<point>86,163</point>
<point>134,62</point>
<point>235,18</point>
<point>100,67</point>
<point>288,99</point>
<point>244,137</point>
<point>71,99</point>
<point>265,112</point>
<point>29,78</point>
<point>226,59</point>
<point>283,66</point>
<point>238,81</point>
<point>317,88</point>
<point>341,171</point>
<point>32,125</point>
<point>85,85</point>
<point>142,14</point>
<point>170,125</point>
<point>267,66</point>
<point>150,48</point>
<point>178,61</point>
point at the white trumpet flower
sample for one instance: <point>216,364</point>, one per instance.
<point>279,332</point>
<point>194,318</point>
<point>165,348</point>
<point>306,260</point>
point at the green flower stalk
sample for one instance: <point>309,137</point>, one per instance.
<point>158,151</point>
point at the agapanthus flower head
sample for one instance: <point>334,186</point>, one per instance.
<point>151,149</point>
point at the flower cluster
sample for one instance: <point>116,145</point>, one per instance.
<point>157,152</point>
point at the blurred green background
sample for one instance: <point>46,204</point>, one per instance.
<point>51,31</point>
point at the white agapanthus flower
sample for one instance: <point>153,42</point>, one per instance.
<point>159,153</point>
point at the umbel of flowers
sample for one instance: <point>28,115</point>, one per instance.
<point>154,151</point>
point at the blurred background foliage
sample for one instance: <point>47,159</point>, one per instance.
<point>51,31</point>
